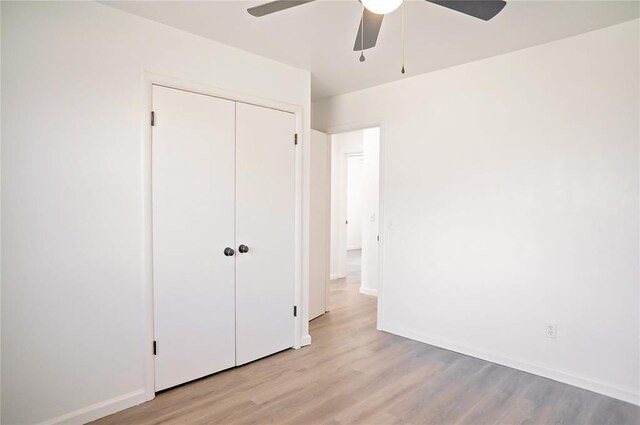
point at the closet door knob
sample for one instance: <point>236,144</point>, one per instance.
<point>229,252</point>
<point>243,249</point>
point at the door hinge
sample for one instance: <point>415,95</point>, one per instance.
<point>378,238</point>
<point>154,348</point>
<point>295,139</point>
<point>295,311</point>
<point>153,118</point>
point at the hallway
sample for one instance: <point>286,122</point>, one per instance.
<point>345,292</point>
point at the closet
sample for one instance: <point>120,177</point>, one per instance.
<point>223,194</point>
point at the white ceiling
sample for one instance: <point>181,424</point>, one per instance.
<point>319,36</point>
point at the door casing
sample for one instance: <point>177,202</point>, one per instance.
<point>363,125</point>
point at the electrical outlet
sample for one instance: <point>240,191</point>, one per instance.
<point>552,330</point>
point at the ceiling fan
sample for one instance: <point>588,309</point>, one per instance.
<point>374,11</point>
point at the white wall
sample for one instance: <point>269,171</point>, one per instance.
<point>73,195</point>
<point>510,197</point>
<point>341,145</point>
<point>370,210</point>
<point>354,202</point>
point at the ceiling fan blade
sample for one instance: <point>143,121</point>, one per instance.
<point>275,6</point>
<point>372,24</point>
<point>482,9</point>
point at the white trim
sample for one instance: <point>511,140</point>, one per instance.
<point>302,186</point>
<point>147,241</point>
<point>587,383</point>
<point>301,225</point>
<point>327,277</point>
<point>101,409</point>
<point>368,291</point>
<point>305,340</point>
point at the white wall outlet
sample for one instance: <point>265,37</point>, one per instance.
<point>552,330</point>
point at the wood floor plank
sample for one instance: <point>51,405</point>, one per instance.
<point>354,374</point>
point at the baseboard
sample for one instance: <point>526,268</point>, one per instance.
<point>556,375</point>
<point>100,410</point>
<point>305,340</point>
<point>335,276</point>
<point>368,291</point>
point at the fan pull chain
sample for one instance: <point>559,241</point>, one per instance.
<point>362,59</point>
<point>402,37</point>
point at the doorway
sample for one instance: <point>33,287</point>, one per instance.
<point>355,211</point>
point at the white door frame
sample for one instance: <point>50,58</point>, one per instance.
<point>364,125</point>
<point>301,336</point>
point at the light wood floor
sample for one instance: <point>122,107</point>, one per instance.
<point>353,374</point>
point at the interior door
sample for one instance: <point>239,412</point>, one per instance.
<point>265,224</point>
<point>319,222</point>
<point>193,217</point>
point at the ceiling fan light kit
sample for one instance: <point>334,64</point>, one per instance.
<point>381,7</point>
<point>373,12</point>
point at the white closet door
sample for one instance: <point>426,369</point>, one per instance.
<point>265,204</point>
<point>193,216</point>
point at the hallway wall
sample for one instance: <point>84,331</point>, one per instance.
<point>355,199</point>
